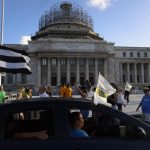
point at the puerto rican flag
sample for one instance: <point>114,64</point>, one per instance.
<point>14,60</point>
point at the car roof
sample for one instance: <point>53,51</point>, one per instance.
<point>45,101</point>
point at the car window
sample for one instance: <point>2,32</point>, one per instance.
<point>29,121</point>
<point>101,122</point>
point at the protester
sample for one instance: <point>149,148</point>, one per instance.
<point>2,95</point>
<point>120,98</point>
<point>145,104</point>
<point>87,84</point>
<point>127,91</point>
<point>49,91</point>
<point>20,96</point>
<point>20,93</point>
<point>28,93</point>
<point>82,91</point>
<point>62,90</point>
<point>42,92</point>
<point>112,99</point>
<point>86,90</point>
<point>68,91</point>
<point>76,123</point>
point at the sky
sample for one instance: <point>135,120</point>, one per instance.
<point>123,22</point>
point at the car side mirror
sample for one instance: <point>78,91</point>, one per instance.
<point>141,132</point>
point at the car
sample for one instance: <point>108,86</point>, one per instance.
<point>115,130</point>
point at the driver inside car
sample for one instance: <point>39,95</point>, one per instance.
<point>76,121</point>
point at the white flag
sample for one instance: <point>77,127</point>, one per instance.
<point>14,60</point>
<point>103,90</point>
<point>128,86</point>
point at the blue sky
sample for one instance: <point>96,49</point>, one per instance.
<point>124,22</point>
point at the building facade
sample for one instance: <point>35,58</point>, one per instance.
<point>66,49</point>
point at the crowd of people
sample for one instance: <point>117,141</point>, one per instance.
<point>76,119</point>
<point>119,99</point>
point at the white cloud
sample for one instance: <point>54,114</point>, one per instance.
<point>101,4</point>
<point>24,40</point>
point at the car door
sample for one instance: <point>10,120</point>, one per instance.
<point>38,117</point>
<point>115,131</point>
<point>61,139</point>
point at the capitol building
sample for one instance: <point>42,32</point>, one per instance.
<point>66,49</point>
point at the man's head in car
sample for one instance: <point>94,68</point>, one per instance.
<point>76,120</point>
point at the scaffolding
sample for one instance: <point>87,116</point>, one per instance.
<point>65,12</point>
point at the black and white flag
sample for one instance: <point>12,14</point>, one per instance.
<point>14,60</point>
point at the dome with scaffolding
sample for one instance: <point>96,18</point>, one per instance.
<point>66,21</point>
<point>65,12</point>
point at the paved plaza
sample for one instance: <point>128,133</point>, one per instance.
<point>133,104</point>
<point>130,107</point>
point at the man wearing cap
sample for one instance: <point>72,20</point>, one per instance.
<point>145,104</point>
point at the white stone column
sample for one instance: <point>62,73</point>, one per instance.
<point>49,71</point>
<point>128,72</point>
<point>87,69</point>
<point>121,81</point>
<point>68,70</point>
<point>58,71</point>
<point>149,72</point>
<point>135,73</point>
<point>18,81</point>
<point>142,73</point>
<point>39,72</point>
<point>96,71</point>
<point>13,76</point>
<point>105,68</point>
<point>111,71</point>
<point>78,71</point>
<point>117,72</point>
<point>5,78</point>
<point>15,79</point>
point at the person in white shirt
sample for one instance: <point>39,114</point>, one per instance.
<point>42,92</point>
<point>120,98</point>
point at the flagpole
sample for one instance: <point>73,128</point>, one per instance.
<point>2,22</point>
<point>2,31</point>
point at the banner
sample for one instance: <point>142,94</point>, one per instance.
<point>14,60</point>
<point>103,90</point>
<point>128,86</point>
